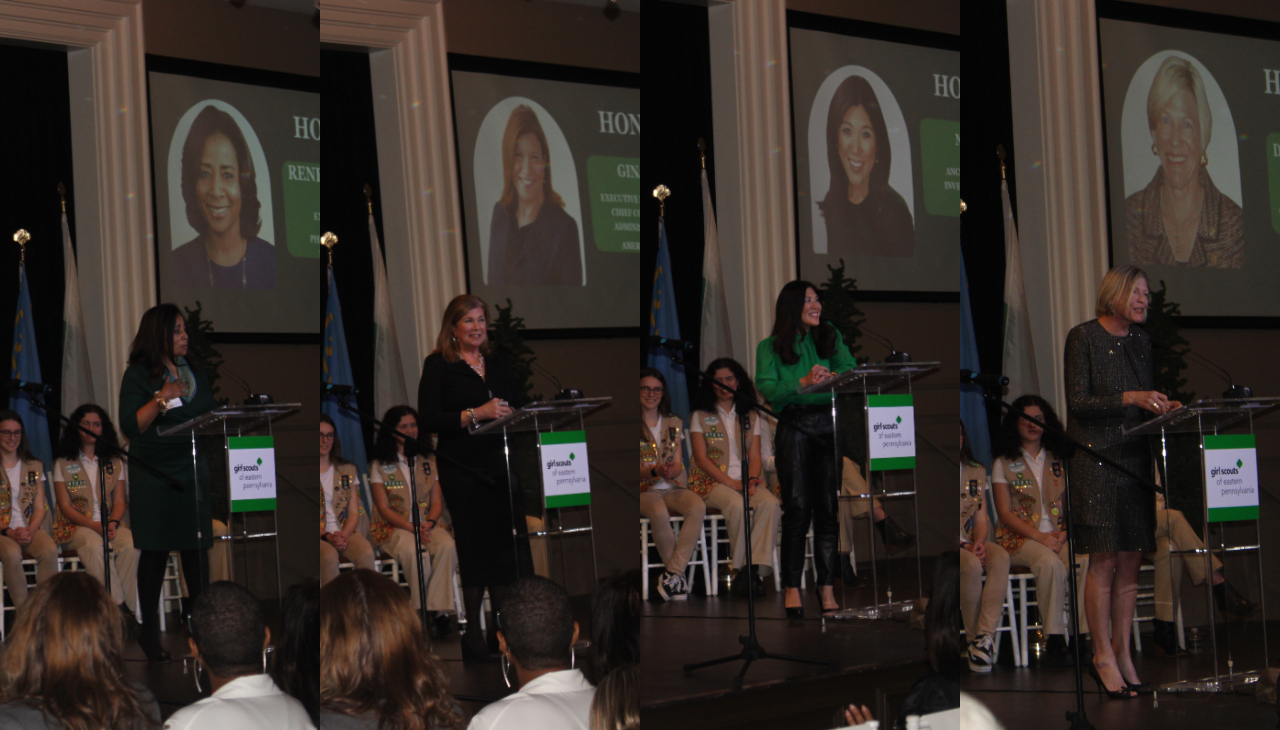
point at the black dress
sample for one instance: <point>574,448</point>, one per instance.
<point>880,225</point>
<point>543,253</point>
<point>482,513</point>
<point>1111,511</point>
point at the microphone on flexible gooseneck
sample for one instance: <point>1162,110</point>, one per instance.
<point>894,355</point>
<point>1232,391</point>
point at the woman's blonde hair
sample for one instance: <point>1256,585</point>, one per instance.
<point>1178,74</point>
<point>65,657</point>
<point>1115,289</point>
<point>374,657</point>
<point>616,704</point>
<point>458,307</point>
<point>523,121</point>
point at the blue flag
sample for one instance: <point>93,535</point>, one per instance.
<point>337,371</point>
<point>664,323</point>
<point>973,408</point>
<point>26,366</point>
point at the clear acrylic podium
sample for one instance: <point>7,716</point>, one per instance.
<point>876,379</point>
<point>228,421</point>
<point>1211,418</point>
<point>543,416</point>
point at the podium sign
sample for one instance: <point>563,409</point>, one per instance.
<point>566,481</point>
<point>251,468</point>
<point>891,431</point>
<point>1231,474</point>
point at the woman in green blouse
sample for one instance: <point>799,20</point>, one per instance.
<point>803,351</point>
<point>164,386</point>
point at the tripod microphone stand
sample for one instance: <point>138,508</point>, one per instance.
<point>751,649</point>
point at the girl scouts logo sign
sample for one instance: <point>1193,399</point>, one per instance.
<point>566,481</point>
<point>251,468</point>
<point>1231,477</point>
<point>891,431</point>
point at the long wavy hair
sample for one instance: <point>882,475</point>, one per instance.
<point>69,445</point>
<point>153,344</point>
<point>1010,442</point>
<point>374,657</point>
<point>458,307</point>
<point>615,622</point>
<point>335,454</point>
<point>385,447</point>
<point>705,399</point>
<point>24,446</point>
<point>787,327</point>
<point>65,657</point>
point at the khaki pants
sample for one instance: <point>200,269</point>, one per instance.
<point>851,483</point>
<point>124,579</point>
<point>42,549</point>
<point>537,546</point>
<point>658,505</point>
<point>443,554</point>
<point>1051,582</point>
<point>358,551</point>
<point>981,606</point>
<point>1173,532</point>
<point>219,555</point>
<point>766,512</point>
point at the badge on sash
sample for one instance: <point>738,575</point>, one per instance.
<point>110,468</point>
<point>426,468</point>
<point>1057,469</point>
<point>973,487</point>
<point>31,477</point>
<point>346,480</point>
<point>73,468</point>
<point>389,468</point>
<point>711,420</point>
<point>342,518</point>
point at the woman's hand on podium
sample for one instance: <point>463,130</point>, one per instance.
<point>817,374</point>
<point>1150,400</point>
<point>496,408</point>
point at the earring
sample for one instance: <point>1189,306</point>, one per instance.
<point>573,658</point>
<point>199,690</point>
<point>505,664</point>
<point>264,661</point>
<point>1204,159</point>
<point>1154,151</point>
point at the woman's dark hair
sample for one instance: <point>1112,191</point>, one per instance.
<point>664,406</point>
<point>705,399</point>
<point>210,121</point>
<point>615,623</point>
<point>942,621</point>
<point>335,454</point>
<point>154,342</point>
<point>537,621</point>
<point>787,327</point>
<point>69,445</point>
<point>229,629</point>
<point>384,446</point>
<point>295,665</point>
<point>1010,442</point>
<point>24,446</point>
<point>855,91</point>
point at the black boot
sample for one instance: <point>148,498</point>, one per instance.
<point>1231,603</point>
<point>847,576</point>
<point>1165,638</point>
<point>748,579</point>
<point>895,538</point>
<point>1057,653</point>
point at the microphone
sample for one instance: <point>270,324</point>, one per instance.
<point>254,398</point>
<point>1233,391</point>
<point>894,355</point>
<point>969,377</point>
<point>657,341</point>
<point>562,393</point>
<point>27,387</point>
<point>333,389</point>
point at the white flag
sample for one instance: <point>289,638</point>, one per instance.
<point>716,340</point>
<point>388,372</point>
<point>77,378</point>
<point>1019,352</point>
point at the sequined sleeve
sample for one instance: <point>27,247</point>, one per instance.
<point>1082,401</point>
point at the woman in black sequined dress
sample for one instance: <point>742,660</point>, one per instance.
<point>1110,387</point>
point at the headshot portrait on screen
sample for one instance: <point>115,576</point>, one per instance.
<point>533,241</point>
<point>862,213</point>
<point>1181,218</point>
<point>219,187</point>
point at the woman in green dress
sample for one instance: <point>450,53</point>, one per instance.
<point>164,386</point>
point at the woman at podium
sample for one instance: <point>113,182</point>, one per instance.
<point>164,386</point>
<point>1111,387</point>
<point>465,383</point>
<point>802,351</point>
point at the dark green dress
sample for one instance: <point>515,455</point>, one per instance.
<point>162,517</point>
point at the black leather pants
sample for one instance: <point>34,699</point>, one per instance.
<point>810,484</point>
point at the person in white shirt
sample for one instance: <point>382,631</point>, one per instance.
<point>536,634</point>
<point>22,510</point>
<point>229,640</point>
<point>340,509</point>
<point>77,521</point>
<point>661,493</point>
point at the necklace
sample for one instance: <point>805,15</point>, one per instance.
<point>244,277</point>
<point>478,367</point>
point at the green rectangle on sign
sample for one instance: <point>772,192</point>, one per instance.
<point>253,505</point>
<point>1227,514</point>
<point>301,187</point>
<point>568,500</point>
<point>614,185</point>
<point>563,437</point>
<point>1273,176</point>
<point>1233,441</point>
<point>940,163</point>
<point>250,442</point>
<point>899,462</point>
<point>897,400</point>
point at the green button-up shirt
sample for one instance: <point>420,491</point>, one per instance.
<point>778,381</point>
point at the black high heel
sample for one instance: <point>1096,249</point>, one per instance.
<point>795,614</point>
<point>1124,693</point>
<point>817,590</point>
<point>1140,689</point>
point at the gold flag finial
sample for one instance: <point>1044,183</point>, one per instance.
<point>963,207</point>
<point>62,193</point>
<point>368,197</point>
<point>21,238</point>
<point>1000,154</point>
<point>702,152</point>
<point>662,192</point>
<point>328,240</point>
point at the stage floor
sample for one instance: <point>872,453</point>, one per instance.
<point>1039,697</point>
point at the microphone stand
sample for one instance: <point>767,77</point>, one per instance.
<point>412,448</point>
<point>1077,718</point>
<point>751,648</point>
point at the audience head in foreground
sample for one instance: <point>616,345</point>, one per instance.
<point>617,702</point>
<point>295,666</point>
<point>377,671</point>
<point>64,666</point>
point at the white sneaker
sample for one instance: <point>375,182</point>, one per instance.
<point>672,586</point>
<point>980,654</point>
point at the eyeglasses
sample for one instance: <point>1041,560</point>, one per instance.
<point>10,434</point>
<point>327,436</point>
<point>645,390</point>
